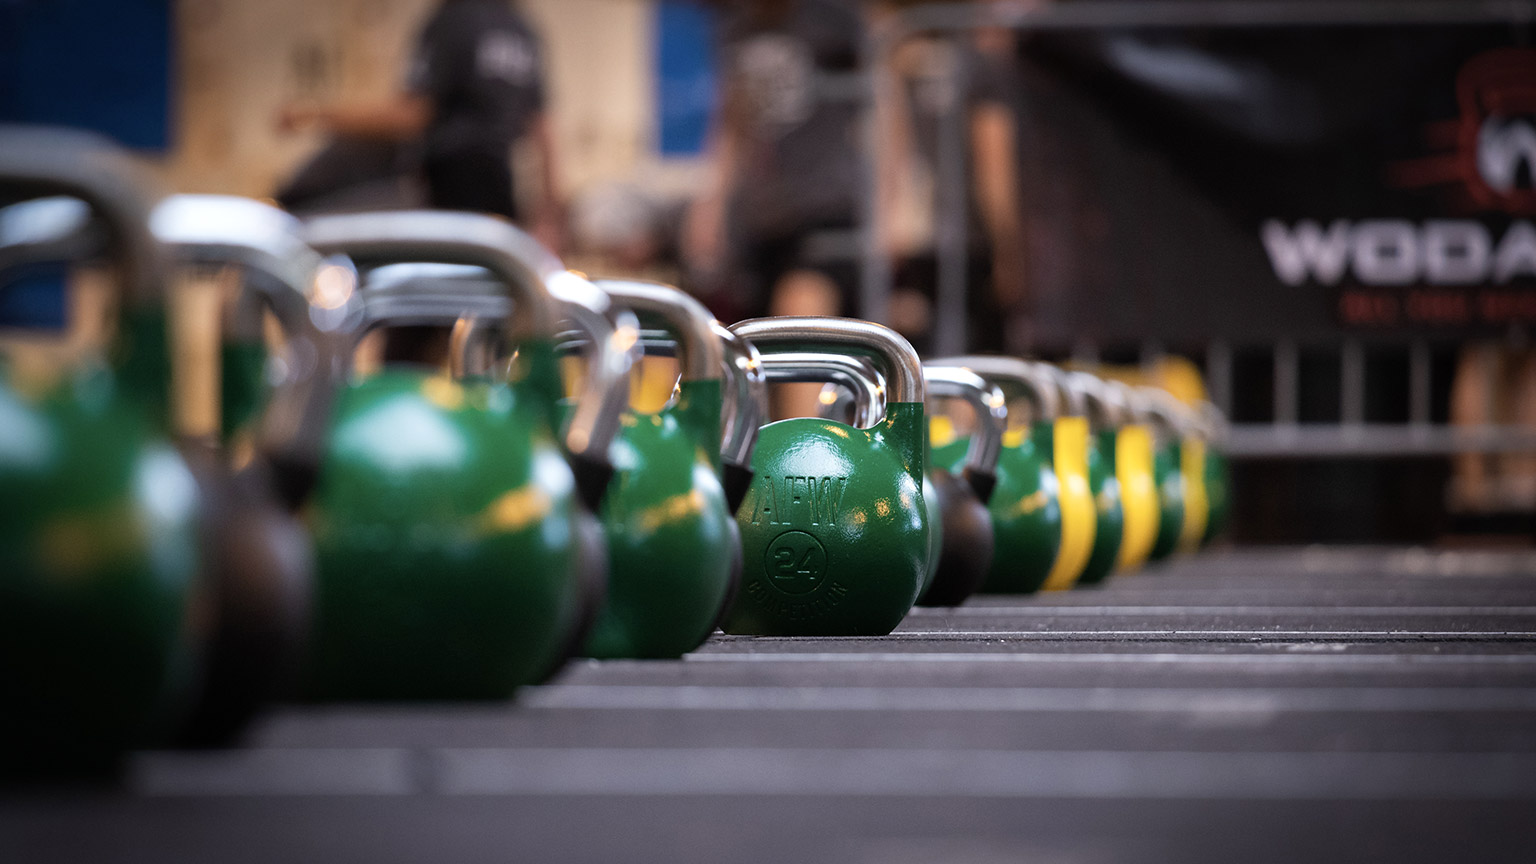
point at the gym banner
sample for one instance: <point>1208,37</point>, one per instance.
<point>1280,182</point>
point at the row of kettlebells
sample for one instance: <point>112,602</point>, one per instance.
<point>416,534</point>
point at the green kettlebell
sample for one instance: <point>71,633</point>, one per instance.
<point>1218,473</point>
<point>1158,410</point>
<point>834,529</point>
<point>1024,508</point>
<point>965,524</point>
<point>666,514</point>
<point>446,518</point>
<point>1102,405</point>
<point>854,393</point>
<point>745,410</point>
<point>120,547</point>
<point>473,306</point>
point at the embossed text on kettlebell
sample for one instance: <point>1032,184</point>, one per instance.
<point>795,562</point>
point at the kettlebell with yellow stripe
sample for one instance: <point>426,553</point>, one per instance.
<point>1070,444</point>
<point>1106,413</point>
<point>1133,455</point>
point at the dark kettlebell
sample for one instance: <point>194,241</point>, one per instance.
<point>262,596</point>
<point>1024,507</point>
<point>966,552</point>
<point>1106,414</point>
<point>445,519</point>
<point>117,562</point>
<point>835,529</point>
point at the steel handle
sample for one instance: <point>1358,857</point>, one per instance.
<point>428,294</point>
<point>746,397</point>
<point>1104,405</point>
<point>988,403</point>
<point>38,161</point>
<point>1015,377</point>
<point>1214,423</point>
<point>893,355</point>
<point>851,375</point>
<point>280,271</point>
<point>1165,413</point>
<point>516,259</point>
<point>604,397</point>
<point>702,355</point>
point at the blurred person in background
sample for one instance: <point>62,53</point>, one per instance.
<point>972,81</point>
<point>778,221</point>
<point>1002,93</point>
<point>475,89</point>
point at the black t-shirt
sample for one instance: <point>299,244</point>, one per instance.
<point>798,103</point>
<point>482,67</point>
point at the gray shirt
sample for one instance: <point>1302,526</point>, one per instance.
<point>798,110</point>
<point>481,65</point>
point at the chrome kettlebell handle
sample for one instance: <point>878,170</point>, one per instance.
<point>431,295</point>
<point>1162,411</point>
<point>991,409</point>
<point>744,406</point>
<point>746,399</point>
<point>1031,380</point>
<point>55,161</point>
<point>515,259</point>
<point>847,377</point>
<point>1074,402</point>
<point>594,424</point>
<point>280,271</point>
<point>1105,406</point>
<point>701,355</point>
<point>1214,424</point>
<point>892,354</point>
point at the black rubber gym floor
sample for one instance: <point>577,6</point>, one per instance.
<point>1312,705</point>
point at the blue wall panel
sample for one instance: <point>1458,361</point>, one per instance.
<point>99,64</point>
<point>685,76</point>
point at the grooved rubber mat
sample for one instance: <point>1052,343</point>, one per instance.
<point>1318,705</point>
